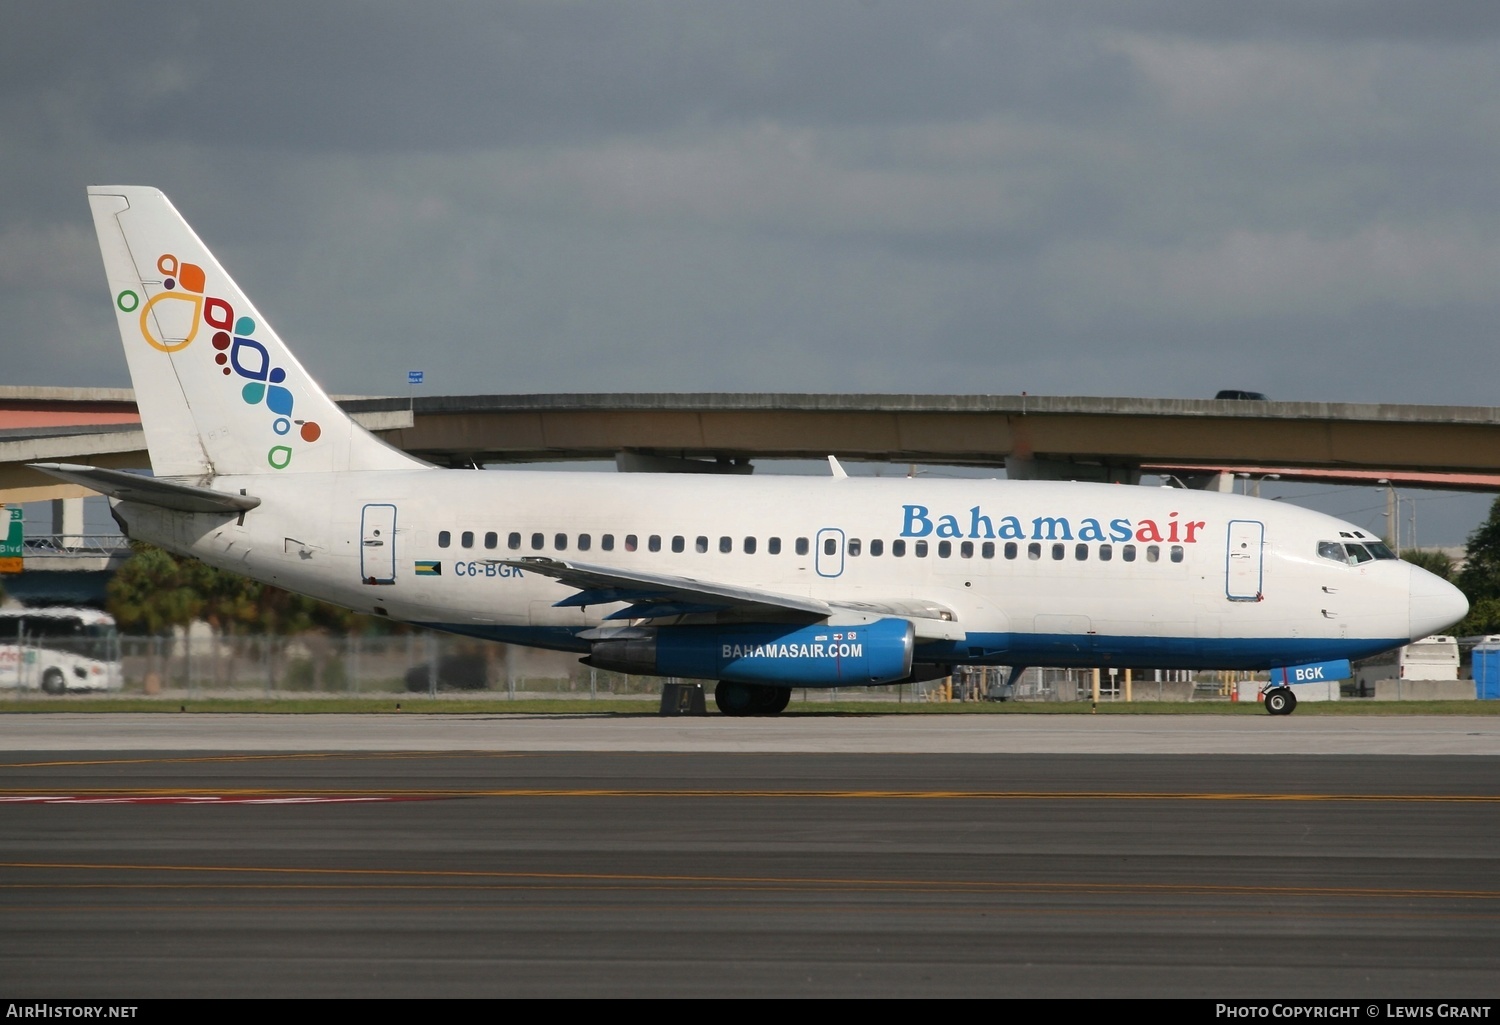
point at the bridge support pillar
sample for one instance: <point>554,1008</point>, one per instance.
<point>67,521</point>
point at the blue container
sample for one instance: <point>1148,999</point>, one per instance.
<point>1487,668</point>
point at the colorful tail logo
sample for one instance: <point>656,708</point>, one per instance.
<point>170,320</point>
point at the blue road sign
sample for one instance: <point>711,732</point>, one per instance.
<point>414,377</point>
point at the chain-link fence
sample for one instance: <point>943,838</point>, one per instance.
<point>413,663</point>
<point>201,663</point>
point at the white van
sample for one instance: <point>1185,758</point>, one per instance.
<point>1425,669</point>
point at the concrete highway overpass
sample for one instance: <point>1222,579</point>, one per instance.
<point>1447,447</point>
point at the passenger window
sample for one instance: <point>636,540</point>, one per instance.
<point>898,549</point>
<point>654,542</point>
<point>1153,553</point>
<point>1081,553</point>
<point>538,542</point>
<point>491,540</point>
<point>1034,550</point>
<point>444,539</point>
<point>466,539</point>
<point>919,549</point>
<point>679,543</point>
<point>987,550</point>
<point>1011,549</point>
<point>749,546</point>
<point>632,542</point>
<point>1128,553</point>
<point>701,544</point>
<point>560,542</point>
<point>513,541</point>
<point>830,546</point>
<point>802,546</point>
<point>726,545</point>
<point>966,549</point>
<point>1059,552</point>
<point>773,546</point>
<point>607,542</point>
<point>945,549</point>
<point>854,546</point>
<point>585,542</point>
<point>877,548</point>
<point>1106,552</point>
<point>1177,553</point>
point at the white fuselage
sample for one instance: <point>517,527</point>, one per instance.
<point>1034,572</point>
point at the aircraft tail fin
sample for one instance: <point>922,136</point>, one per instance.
<point>218,390</point>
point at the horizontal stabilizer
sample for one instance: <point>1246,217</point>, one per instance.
<point>158,491</point>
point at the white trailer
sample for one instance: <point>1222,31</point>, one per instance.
<point>1422,670</point>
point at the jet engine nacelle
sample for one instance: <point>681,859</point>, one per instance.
<point>811,656</point>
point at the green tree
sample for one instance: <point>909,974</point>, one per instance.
<point>1479,580</point>
<point>155,591</point>
<point>1480,577</point>
<point>152,592</point>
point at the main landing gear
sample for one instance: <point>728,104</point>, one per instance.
<point>750,698</point>
<point>1280,701</point>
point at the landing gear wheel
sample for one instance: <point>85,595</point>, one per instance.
<point>775,700</point>
<point>734,698</point>
<point>53,682</point>
<point>750,699</point>
<point>1280,701</point>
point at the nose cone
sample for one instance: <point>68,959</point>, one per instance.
<point>1435,603</point>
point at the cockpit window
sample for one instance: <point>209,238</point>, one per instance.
<point>1379,550</point>
<point>1331,550</point>
<point>1358,553</point>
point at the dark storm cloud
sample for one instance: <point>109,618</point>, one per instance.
<point>1326,20</point>
<point>1154,198</point>
<point>380,76</point>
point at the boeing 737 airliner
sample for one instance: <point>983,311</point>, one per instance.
<point>762,584</point>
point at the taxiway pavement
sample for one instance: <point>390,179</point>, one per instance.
<point>158,856</point>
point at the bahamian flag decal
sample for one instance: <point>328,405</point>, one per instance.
<point>429,569</point>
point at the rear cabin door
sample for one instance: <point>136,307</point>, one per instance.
<point>377,545</point>
<point>1243,568</point>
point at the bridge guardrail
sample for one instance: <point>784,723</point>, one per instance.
<point>37,546</point>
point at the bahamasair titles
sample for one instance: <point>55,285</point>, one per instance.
<point>763,584</point>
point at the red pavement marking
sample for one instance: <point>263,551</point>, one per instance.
<point>206,799</point>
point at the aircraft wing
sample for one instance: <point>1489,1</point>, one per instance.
<point>653,595</point>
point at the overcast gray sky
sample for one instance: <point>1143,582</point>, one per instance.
<point>1100,198</point>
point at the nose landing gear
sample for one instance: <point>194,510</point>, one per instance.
<point>1280,701</point>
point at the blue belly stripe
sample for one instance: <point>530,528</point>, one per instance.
<point>1060,650</point>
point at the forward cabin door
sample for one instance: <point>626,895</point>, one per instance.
<point>377,545</point>
<point>1244,571</point>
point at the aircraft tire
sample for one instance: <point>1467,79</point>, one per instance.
<point>1280,701</point>
<point>53,681</point>
<point>735,698</point>
<point>750,699</point>
<point>777,699</point>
